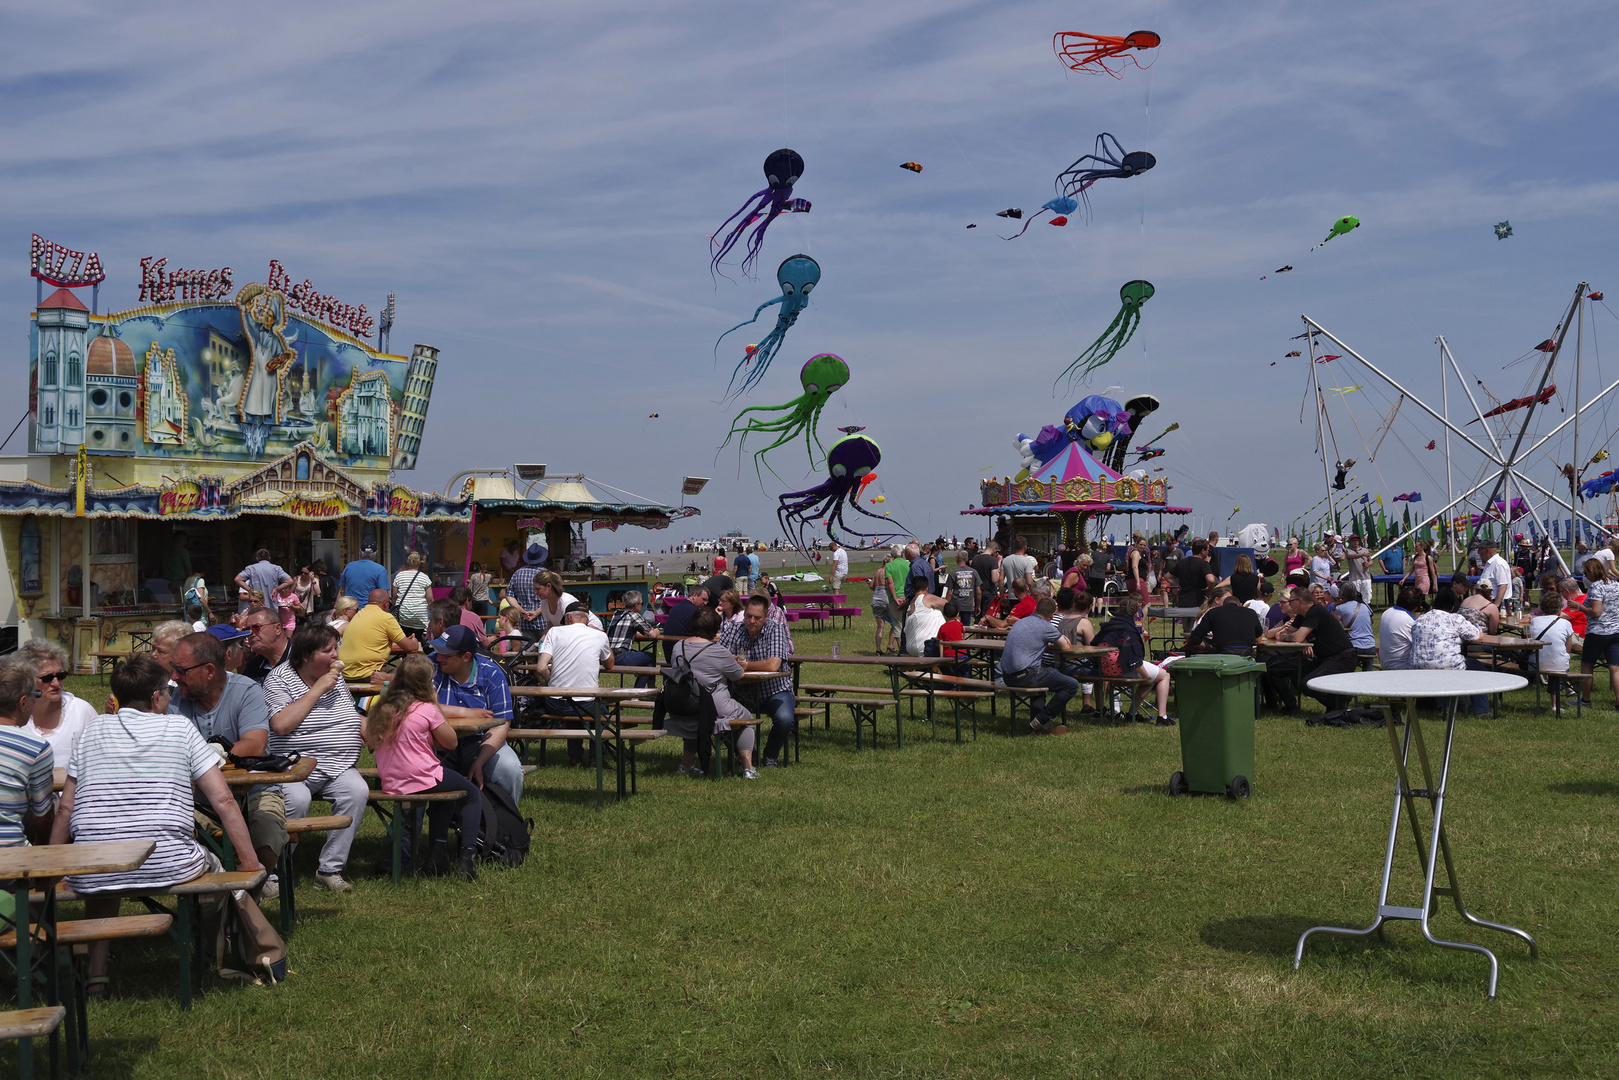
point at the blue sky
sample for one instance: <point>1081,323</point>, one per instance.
<point>537,184</point>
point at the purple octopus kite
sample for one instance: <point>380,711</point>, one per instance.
<point>782,170</point>
<point>847,462</point>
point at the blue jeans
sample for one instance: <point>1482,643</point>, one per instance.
<point>470,810</point>
<point>1063,688</point>
<point>579,710</point>
<point>1481,702</point>
<point>779,707</point>
<point>631,658</point>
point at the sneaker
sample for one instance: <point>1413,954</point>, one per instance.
<point>750,774</point>
<point>692,771</point>
<point>335,882</point>
<point>772,763</point>
<point>272,888</point>
<point>1049,727</point>
<point>1166,721</point>
<point>1039,726</point>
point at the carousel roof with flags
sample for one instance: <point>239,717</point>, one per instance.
<point>1074,480</point>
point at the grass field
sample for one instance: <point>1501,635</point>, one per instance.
<point>1006,908</point>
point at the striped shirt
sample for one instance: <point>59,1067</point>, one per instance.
<point>26,762</point>
<point>132,776</point>
<point>330,733</point>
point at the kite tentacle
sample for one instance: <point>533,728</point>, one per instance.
<point>750,208</point>
<point>747,322</point>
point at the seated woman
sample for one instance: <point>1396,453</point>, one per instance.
<point>715,669</point>
<point>99,803</point>
<point>1074,623</point>
<point>402,728</point>
<point>312,713</point>
<point>1122,633</point>
<point>1077,573</point>
<point>1477,604</point>
<point>1552,627</point>
<point>343,612</point>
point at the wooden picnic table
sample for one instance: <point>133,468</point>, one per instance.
<point>40,868</point>
<point>241,778</point>
<point>1282,647</point>
<point>987,631</point>
<point>895,666</point>
<point>594,723</point>
<point>1516,648</point>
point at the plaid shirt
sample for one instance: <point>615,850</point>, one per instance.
<point>773,641</point>
<point>625,625</point>
<point>521,590</point>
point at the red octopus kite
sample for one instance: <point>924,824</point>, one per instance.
<point>1091,52</point>
<point>1519,402</point>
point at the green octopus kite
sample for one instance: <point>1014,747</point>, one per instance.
<point>1132,295</point>
<point>821,376</point>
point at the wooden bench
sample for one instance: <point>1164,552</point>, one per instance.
<point>23,1026</point>
<point>395,821</point>
<point>1555,681</point>
<point>957,699</point>
<point>297,827</point>
<point>185,925</point>
<point>859,700</point>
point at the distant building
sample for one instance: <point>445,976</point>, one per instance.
<point>112,388</point>
<point>365,415</point>
<point>413,410</point>
<point>64,329</point>
<point>166,401</point>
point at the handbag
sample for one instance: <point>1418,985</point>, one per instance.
<point>265,763</point>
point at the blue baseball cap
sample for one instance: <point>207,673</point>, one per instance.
<point>455,639</point>
<point>227,633</point>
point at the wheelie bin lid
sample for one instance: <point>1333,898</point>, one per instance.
<point>1216,664</point>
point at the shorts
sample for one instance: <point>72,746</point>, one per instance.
<point>1601,647</point>
<point>1149,671</point>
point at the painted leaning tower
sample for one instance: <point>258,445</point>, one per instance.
<point>413,409</point>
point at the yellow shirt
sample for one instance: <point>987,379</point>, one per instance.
<point>366,641</point>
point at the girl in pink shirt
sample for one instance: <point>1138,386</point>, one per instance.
<point>286,598</point>
<point>402,728</point>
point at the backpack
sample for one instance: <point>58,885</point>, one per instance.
<point>682,695</point>
<point>502,834</point>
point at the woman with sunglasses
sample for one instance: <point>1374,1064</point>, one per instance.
<point>59,717</point>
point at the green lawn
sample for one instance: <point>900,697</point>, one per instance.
<point>1006,908</point>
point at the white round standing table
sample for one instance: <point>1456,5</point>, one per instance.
<point>1408,686</point>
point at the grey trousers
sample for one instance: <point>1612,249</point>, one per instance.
<point>347,792</point>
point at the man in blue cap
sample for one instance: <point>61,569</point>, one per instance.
<point>364,575</point>
<point>236,643</point>
<point>470,685</point>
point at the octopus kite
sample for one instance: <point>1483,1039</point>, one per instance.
<point>1131,296</point>
<point>821,377</point>
<point>848,462</point>
<point>1340,227</point>
<point>782,170</point>
<point>1109,160</point>
<point>796,275</point>
<point>1091,52</point>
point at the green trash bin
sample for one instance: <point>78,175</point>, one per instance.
<point>1217,696</point>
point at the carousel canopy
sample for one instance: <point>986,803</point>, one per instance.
<point>572,498</point>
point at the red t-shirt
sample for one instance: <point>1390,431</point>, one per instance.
<point>1024,607</point>
<point>952,630</point>
<point>1576,617</point>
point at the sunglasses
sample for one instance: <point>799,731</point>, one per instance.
<point>178,670</point>
<point>53,676</point>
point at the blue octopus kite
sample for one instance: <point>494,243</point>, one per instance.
<point>796,275</point>
<point>782,170</point>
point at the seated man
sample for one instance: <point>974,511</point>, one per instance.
<point>1024,607</point>
<point>26,761</point>
<point>627,626</point>
<point>268,643</point>
<point>678,625</point>
<point>1230,627</point>
<point>573,654</point>
<point>1394,629</point>
<point>146,739</point>
<point>1023,665</point>
<point>372,637</point>
<point>230,707</point>
<point>470,685</point>
<point>1329,653</point>
<point>761,644</point>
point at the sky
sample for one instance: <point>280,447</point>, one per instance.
<point>537,183</point>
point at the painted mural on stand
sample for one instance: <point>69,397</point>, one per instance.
<point>246,378</point>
